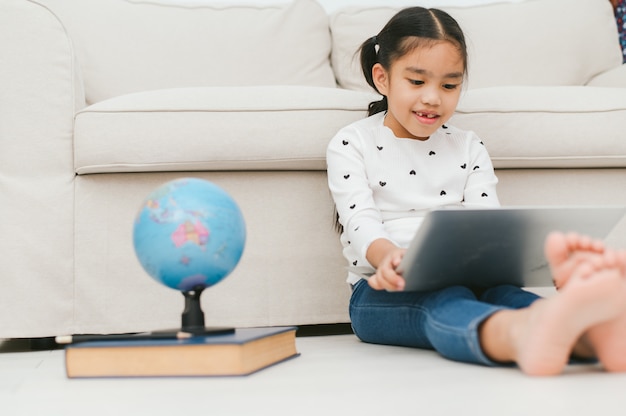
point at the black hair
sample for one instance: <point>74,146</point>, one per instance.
<point>408,29</point>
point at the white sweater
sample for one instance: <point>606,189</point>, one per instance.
<point>383,185</point>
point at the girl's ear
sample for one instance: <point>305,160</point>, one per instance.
<point>380,78</point>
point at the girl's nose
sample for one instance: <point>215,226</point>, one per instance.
<point>431,97</point>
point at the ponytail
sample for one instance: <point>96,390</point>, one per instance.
<point>376,107</point>
<point>369,57</point>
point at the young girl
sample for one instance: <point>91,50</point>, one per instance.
<point>386,171</point>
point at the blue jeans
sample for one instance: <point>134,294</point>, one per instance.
<point>445,320</point>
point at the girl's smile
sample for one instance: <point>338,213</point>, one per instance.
<point>426,117</point>
<point>422,87</point>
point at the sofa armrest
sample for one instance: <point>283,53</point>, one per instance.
<point>615,77</point>
<point>40,91</point>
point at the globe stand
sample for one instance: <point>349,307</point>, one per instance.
<point>193,317</point>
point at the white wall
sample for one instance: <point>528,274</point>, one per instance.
<point>332,5</point>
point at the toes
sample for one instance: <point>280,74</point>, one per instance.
<point>590,244</point>
<point>577,242</point>
<point>559,247</point>
<point>585,270</point>
<point>556,248</point>
<point>609,260</point>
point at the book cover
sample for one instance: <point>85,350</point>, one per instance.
<point>243,352</point>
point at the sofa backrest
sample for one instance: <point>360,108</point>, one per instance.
<point>126,46</point>
<point>533,42</point>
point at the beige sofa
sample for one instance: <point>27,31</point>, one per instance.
<point>103,100</point>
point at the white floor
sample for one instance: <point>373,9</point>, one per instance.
<point>334,375</point>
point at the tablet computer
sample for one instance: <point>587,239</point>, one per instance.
<point>488,247</point>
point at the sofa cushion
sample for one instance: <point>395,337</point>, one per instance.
<point>547,42</point>
<point>548,127</point>
<point>125,46</point>
<point>214,128</point>
<point>616,77</point>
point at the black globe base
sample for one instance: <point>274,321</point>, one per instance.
<point>193,318</point>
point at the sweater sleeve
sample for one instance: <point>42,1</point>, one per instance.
<point>349,185</point>
<point>480,188</point>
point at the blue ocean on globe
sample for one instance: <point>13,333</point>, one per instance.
<point>189,234</point>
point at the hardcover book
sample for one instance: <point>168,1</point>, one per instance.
<point>242,352</point>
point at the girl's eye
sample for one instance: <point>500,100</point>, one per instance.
<point>416,82</point>
<point>450,86</point>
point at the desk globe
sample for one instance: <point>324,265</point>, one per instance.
<point>189,234</point>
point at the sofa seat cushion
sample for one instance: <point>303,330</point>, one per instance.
<point>214,128</point>
<point>548,127</point>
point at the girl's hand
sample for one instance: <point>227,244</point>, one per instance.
<point>386,276</point>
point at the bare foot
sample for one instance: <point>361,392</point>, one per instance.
<point>542,336</point>
<point>565,252</point>
<point>608,339</point>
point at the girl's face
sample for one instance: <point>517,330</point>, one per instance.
<point>422,89</point>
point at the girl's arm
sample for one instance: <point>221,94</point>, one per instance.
<point>363,228</point>
<point>480,188</point>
